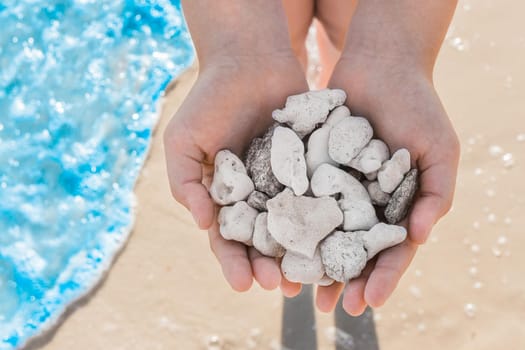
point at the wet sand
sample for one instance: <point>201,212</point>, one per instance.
<point>464,290</point>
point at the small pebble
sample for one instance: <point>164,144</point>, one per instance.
<point>401,200</point>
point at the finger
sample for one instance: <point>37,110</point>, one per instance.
<point>234,260</point>
<point>290,289</point>
<point>389,267</point>
<point>327,296</point>
<point>434,200</point>
<point>354,295</point>
<point>265,270</point>
<point>185,176</point>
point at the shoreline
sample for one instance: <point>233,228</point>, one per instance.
<point>463,290</point>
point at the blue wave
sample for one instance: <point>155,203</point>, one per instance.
<point>79,86</point>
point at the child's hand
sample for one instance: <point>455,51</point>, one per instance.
<point>405,111</point>
<point>230,104</point>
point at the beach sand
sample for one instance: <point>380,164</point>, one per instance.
<point>464,290</point>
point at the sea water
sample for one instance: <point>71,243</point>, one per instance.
<point>79,86</point>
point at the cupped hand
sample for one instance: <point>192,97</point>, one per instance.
<point>405,111</point>
<point>230,104</point>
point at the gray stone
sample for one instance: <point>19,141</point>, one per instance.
<point>257,200</point>
<point>258,164</point>
<point>402,198</point>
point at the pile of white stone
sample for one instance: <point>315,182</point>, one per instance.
<point>322,210</point>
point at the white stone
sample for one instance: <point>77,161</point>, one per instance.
<point>371,157</point>
<point>317,153</point>
<point>343,255</point>
<point>392,172</point>
<point>328,180</point>
<point>263,240</point>
<point>317,150</point>
<point>300,223</point>
<point>230,181</point>
<point>335,116</point>
<point>304,111</point>
<point>300,269</point>
<point>371,176</point>
<point>287,160</point>
<point>237,222</point>
<point>381,237</point>
<point>347,138</point>
<point>377,195</point>
<point>358,211</point>
<point>358,214</point>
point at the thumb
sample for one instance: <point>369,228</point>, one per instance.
<point>437,184</point>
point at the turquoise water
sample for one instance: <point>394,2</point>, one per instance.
<point>79,86</point>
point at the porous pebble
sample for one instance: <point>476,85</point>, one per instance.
<point>304,111</point>
<point>347,138</point>
<point>230,182</point>
<point>343,255</point>
<point>319,211</point>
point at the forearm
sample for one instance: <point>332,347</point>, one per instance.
<point>236,27</point>
<point>399,32</point>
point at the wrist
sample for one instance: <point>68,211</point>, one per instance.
<point>368,81</point>
<point>371,60</point>
<point>242,59</point>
